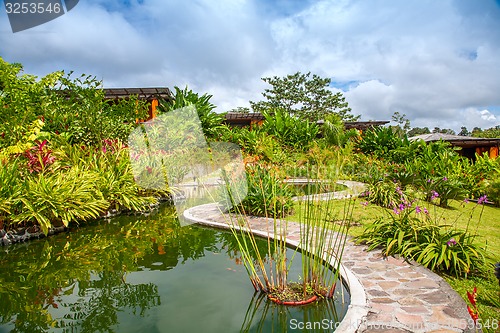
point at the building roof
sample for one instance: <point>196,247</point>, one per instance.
<point>141,93</point>
<point>363,125</point>
<point>457,140</point>
<point>360,125</point>
<point>244,116</point>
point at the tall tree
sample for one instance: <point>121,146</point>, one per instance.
<point>403,124</point>
<point>443,131</point>
<point>464,131</point>
<point>476,131</point>
<point>492,132</point>
<point>418,131</point>
<point>303,96</point>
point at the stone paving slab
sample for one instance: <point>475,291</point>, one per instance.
<point>400,296</point>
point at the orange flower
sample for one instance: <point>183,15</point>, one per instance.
<point>473,314</point>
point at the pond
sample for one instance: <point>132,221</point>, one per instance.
<point>141,273</point>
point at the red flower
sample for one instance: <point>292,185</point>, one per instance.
<point>472,296</point>
<point>473,311</point>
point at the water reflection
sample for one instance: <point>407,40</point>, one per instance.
<point>265,316</point>
<point>119,276</point>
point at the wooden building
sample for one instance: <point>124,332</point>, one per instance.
<point>240,119</point>
<point>151,95</point>
<point>469,145</point>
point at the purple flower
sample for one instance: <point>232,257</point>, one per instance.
<point>398,191</point>
<point>396,211</point>
<point>451,242</point>
<point>418,210</point>
<point>426,211</point>
<point>466,200</point>
<point>482,200</point>
<point>429,181</point>
<point>445,178</point>
<point>402,207</point>
<point>434,195</point>
<point>365,203</point>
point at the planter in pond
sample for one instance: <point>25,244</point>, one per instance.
<point>294,294</point>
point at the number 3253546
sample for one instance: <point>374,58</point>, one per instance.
<point>32,8</point>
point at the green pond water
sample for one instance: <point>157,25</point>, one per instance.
<point>141,274</point>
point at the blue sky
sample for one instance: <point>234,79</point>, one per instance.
<point>435,61</point>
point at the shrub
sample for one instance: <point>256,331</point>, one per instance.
<point>74,106</point>
<point>412,233</point>
<point>492,188</point>
<point>380,142</point>
<point>387,194</point>
<point>267,194</point>
<point>210,121</point>
<point>58,199</point>
<point>79,184</point>
<point>446,189</point>
<point>116,182</point>
<point>289,130</point>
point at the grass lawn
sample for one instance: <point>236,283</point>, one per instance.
<point>483,220</point>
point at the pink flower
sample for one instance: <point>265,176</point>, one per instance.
<point>482,199</point>
<point>418,210</point>
<point>451,242</point>
<point>365,203</point>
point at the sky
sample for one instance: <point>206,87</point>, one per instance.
<point>438,62</point>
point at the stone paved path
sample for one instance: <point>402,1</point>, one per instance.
<point>398,296</point>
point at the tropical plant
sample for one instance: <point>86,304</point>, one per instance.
<point>492,188</point>
<point>10,189</point>
<point>75,106</point>
<point>444,189</point>
<point>57,199</point>
<point>386,193</point>
<point>334,133</point>
<point>289,130</point>
<point>439,173</point>
<point>210,121</point>
<point>116,182</point>
<point>412,232</point>
<point>380,142</point>
<point>267,195</point>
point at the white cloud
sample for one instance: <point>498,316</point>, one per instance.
<point>433,61</point>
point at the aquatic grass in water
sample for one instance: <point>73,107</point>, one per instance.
<point>323,234</point>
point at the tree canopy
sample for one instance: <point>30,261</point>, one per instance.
<point>493,132</point>
<point>303,96</point>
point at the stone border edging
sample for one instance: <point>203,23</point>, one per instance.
<point>357,309</point>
